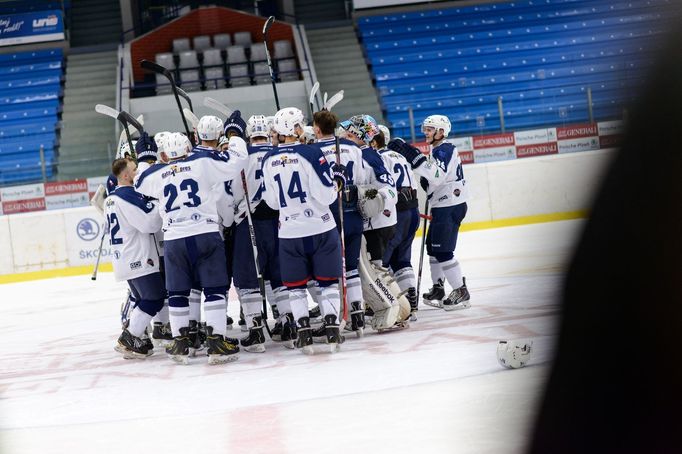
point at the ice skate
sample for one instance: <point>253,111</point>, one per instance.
<point>161,334</point>
<point>334,337</point>
<point>289,331</point>
<point>132,347</point>
<point>178,348</point>
<point>230,322</point>
<point>305,336</point>
<point>414,303</point>
<point>219,350</point>
<point>357,318</point>
<point>315,315</point>
<point>195,344</point>
<point>320,334</point>
<point>276,332</point>
<point>458,298</point>
<point>242,322</point>
<point>255,341</point>
<point>435,296</point>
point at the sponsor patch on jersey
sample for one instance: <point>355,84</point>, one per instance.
<point>387,213</point>
<point>325,217</point>
<point>150,262</point>
<point>195,217</point>
<point>308,213</point>
<point>457,192</point>
<point>117,255</point>
<point>445,197</point>
<point>283,161</point>
<point>136,265</point>
<point>175,169</point>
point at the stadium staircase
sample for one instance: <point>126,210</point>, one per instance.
<point>340,65</point>
<point>95,22</point>
<point>90,80</point>
<point>309,11</point>
<point>540,58</point>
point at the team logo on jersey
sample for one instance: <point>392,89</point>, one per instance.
<point>283,161</point>
<point>136,265</point>
<point>387,213</point>
<point>117,255</point>
<point>175,169</point>
<point>87,229</point>
<point>195,217</point>
<point>150,262</point>
<point>308,213</point>
<point>457,192</point>
<point>325,218</point>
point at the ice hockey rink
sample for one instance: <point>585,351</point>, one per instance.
<point>434,387</point>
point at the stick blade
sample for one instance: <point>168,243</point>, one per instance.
<point>217,106</point>
<point>189,115</point>
<point>268,24</point>
<point>313,92</point>
<point>106,110</point>
<point>132,121</point>
<point>334,100</point>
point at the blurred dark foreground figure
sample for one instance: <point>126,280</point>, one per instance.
<point>616,383</point>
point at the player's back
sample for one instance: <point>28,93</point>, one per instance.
<point>453,190</point>
<point>254,176</point>
<point>299,184</point>
<point>351,158</point>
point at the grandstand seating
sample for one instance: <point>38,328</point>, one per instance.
<point>539,57</point>
<point>30,93</point>
<point>212,62</point>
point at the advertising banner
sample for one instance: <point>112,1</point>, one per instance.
<point>84,228</point>
<point>31,27</point>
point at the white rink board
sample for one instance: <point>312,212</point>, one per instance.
<point>435,387</point>
<point>6,261</point>
<point>38,241</point>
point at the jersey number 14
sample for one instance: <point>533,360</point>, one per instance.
<point>295,190</point>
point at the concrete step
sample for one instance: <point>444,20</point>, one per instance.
<point>330,33</point>
<point>332,49</point>
<point>99,72</point>
<point>339,68</point>
<point>106,56</point>
<point>94,90</point>
<point>322,58</point>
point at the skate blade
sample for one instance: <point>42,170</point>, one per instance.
<point>289,344</point>
<point>360,332</point>
<point>308,350</point>
<point>320,340</point>
<point>161,342</point>
<point>244,328</point>
<point>434,303</point>
<point>276,338</point>
<point>222,359</point>
<point>457,307</point>
<point>413,317</point>
<point>257,348</point>
<point>180,359</point>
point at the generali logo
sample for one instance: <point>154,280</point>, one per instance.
<point>49,21</point>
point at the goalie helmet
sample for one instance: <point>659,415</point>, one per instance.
<point>177,145</point>
<point>286,121</point>
<point>257,126</point>
<point>124,150</point>
<point>387,134</point>
<point>210,128</point>
<point>438,122</point>
<point>364,127</point>
<point>513,354</point>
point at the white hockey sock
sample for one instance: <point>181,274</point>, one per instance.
<point>299,304</point>
<point>139,320</point>
<point>314,290</point>
<point>251,305</point>
<point>270,294</point>
<point>353,287</point>
<point>453,273</point>
<point>178,313</point>
<point>195,305</point>
<point>162,315</point>
<point>215,308</point>
<point>405,279</point>
<point>282,300</point>
<point>330,300</point>
<point>436,270</point>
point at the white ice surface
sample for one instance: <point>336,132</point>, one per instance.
<point>435,387</point>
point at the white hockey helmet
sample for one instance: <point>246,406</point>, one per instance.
<point>438,122</point>
<point>209,128</point>
<point>257,126</point>
<point>387,134</point>
<point>160,139</point>
<point>177,145</point>
<point>124,150</point>
<point>513,354</point>
<point>286,121</point>
<point>309,134</point>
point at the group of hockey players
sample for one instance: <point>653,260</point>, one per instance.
<point>279,210</point>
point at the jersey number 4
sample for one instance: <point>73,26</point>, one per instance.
<point>295,190</point>
<point>190,187</point>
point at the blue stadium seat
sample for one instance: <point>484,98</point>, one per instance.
<point>30,104</point>
<point>539,56</point>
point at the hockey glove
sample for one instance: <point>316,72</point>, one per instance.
<point>370,201</point>
<point>338,173</point>
<point>146,148</point>
<point>412,154</point>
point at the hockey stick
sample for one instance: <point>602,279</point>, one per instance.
<point>122,136</point>
<point>217,106</point>
<point>189,115</point>
<point>312,99</point>
<point>184,94</point>
<point>252,235</point>
<point>125,118</point>
<point>421,253</point>
<point>266,29</point>
<point>334,100</point>
<point>344,290</point>
<point>99,254</point>
<point>158,69</point>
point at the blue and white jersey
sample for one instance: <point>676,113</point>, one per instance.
<point>141,167</point>
<point>400,169</point>
<point>184,191</point>
<point>254,180</point>
<point>443,170</point>
<point>112,183</point>
<point>298,183</point>
<point>383,181</point>
<point>132,220</point>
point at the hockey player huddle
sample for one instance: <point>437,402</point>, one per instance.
<point>279,214</point>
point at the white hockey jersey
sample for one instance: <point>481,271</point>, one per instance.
<point>254,181</point>
<point>184,190</point>
<point>381,179</point>
<point>443,171</point>
<point>132,220</point>
<point>400,169</point>
<point>158,236</point>
<point>298,183</point>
